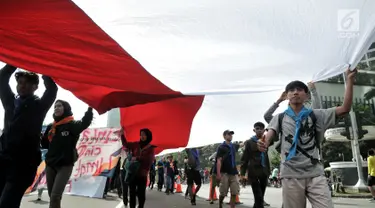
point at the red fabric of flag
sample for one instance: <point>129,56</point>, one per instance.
<point>170,121</point>
<point>56,38</point>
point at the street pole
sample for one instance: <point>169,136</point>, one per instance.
<point>361,185</point>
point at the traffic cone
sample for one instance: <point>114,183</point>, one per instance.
<point>178,185</point>
<point>214,196</point>
<point>193,189</point>
<point>238,200</point>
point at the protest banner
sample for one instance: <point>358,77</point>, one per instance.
<point>98,154</point>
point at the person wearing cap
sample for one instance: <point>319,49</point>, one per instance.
<point>257,166</point>
<point>301,170</point>
<point>226,171</point>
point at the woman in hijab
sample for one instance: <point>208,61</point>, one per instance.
<point>141,152</point>
<point>60,138</point>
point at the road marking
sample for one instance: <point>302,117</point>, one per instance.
<point>120,205</point>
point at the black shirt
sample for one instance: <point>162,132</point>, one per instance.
<point>62,148</point>
<point>251,161</point>
<point>23,120</point>
<point>226,164</point>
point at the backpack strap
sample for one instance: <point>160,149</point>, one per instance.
<point>317,142</point>
<point>313,118</point>
<point>280,121</point>
<point>224,157</point>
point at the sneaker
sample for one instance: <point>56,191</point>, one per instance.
<point>211,202</point>
<point>39,199</point>
<point>266,204</point>
<point>372,200</point>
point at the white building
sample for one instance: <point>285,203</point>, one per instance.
<point>334,89</point>
<point>113,119</point>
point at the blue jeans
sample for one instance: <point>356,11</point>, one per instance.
<point>170,183</point>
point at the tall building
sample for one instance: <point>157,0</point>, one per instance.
<point>113,119</point>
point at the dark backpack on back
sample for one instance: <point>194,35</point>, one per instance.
<point>192,162</point>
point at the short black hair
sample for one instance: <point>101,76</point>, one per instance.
<point>228,132</point>
<point>371,152</point>
<point>31,77</point>
<point>296,84</point>
<point>259,124</point>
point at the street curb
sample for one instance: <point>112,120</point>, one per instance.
<point>354,196</point>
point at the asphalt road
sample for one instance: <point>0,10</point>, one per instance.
<point>157,199</point>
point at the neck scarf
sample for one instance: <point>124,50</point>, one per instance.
<point>262,154</point>
<point>232,153</point>
<point>298,119</point>
<point>52,132</point>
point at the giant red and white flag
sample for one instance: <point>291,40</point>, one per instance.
<point>187,70</point>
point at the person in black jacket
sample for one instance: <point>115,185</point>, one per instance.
<point>257,166</point>
<point>20,153</point>
<point>60,138</point>
<point>152,175</point>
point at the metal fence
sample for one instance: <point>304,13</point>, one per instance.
<point>365,107</point>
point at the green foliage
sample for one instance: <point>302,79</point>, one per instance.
<point>275,159</point>
<point>365,146</point>
<point>336,151</point>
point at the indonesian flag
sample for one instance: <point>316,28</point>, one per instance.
<point>188,70</point>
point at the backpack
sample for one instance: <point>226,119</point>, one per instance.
<point>192,162</point>
<point>290,140</point>
<point>132,167</point>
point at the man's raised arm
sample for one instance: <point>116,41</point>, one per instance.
<point>6,94</point>
<point>268,116</point>
<point>348,97</point>
<point>50,94</point>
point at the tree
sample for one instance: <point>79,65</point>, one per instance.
<point>275,159</point>
<point>336,151</point>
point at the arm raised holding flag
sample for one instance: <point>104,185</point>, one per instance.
<point>302,130</point>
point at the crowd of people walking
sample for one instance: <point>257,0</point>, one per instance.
<point>296,133</point>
